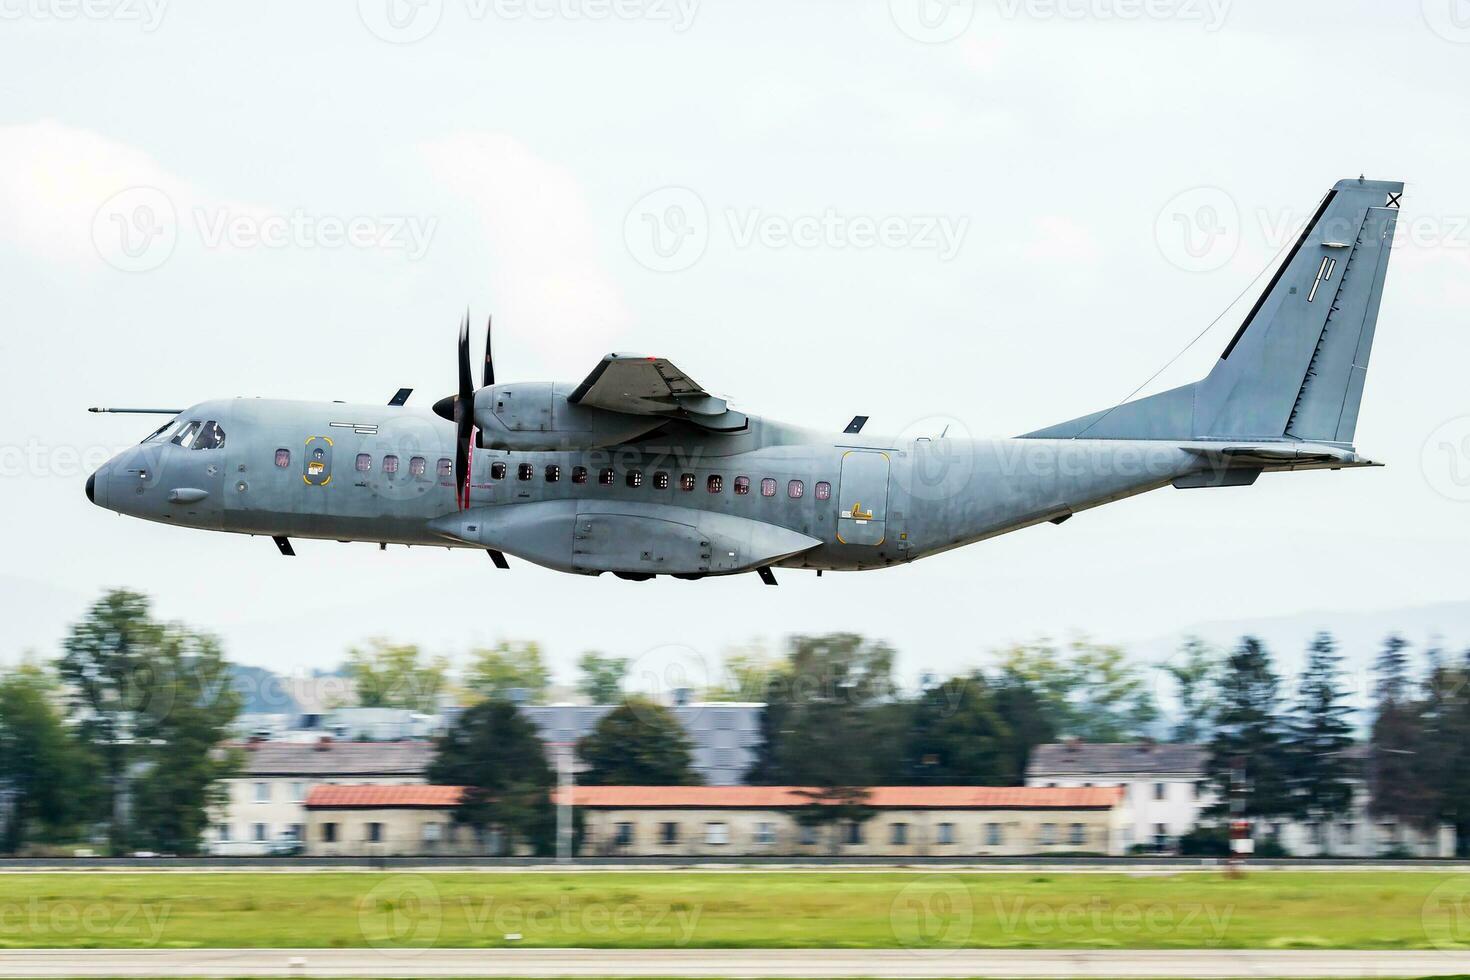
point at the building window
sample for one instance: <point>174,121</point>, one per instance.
<point>635,478</point>
<point>296,832</point>
<point>433,833</point>
<point>579,474</point>
<point>852,832</point>
<point>717,833</point>
<point>668,833</point>
<point>298,792</point>
<point>742,485</point>
<point>946,834</point>
<point>1076,834</point>
<point>525,471</point>
<point>375,833</point>
<point>552,472</point>
<point>329,833</point>
<point>283,458</point>
<point>262,792</point>
<point>1348,830</point>
<point>364,462</point>
<point>795,488</point>
<point>417,466</point>
<point>623,834</point>
<point>765,832</point>
<point>898,834</point>
<point>715,483</point>
<point>824,490</point>
<point>497,471</point>
<point>661,480</point>
<point>223,833</point>
<point>1161,835</point>
<point>390,463</point>
<point>261,833</point>
<point>1048,833</point>
<point>686,482</point>
<point>992,835</point>
<point>605,477</point>
<point>808,834</point>
<point>768,487</point>
<point>1160,791</point>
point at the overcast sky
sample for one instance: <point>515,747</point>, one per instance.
<point>994,214</point>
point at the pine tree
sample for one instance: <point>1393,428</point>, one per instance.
<point>1249,729</point>
<point>1397,765</point>
<point>1321,733</point>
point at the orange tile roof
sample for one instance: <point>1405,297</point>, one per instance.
<point>889,797</point>
<point>381,797</point>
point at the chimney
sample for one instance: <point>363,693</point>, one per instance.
<point>324,743</point>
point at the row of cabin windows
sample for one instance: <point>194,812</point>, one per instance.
<point>715,483</point>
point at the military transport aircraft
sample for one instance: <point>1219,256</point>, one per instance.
<point>640,472</point>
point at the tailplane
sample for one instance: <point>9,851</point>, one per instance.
<point>1295,368</point>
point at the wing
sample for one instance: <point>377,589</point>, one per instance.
<point>637,385</point>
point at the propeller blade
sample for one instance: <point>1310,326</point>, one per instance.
<point>464,413</point>
<point>489,362</point>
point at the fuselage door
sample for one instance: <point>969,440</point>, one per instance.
<point>862,497</point>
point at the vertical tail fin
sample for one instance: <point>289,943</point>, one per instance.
<point>1295,368</point>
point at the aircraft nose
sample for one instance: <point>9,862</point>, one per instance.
<point>92,488</point>
<point>97,486</point>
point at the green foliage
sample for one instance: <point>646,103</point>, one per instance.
<point>1321,731</point>
<point>494,752</point>
<point>600,679</point>
<point>1249,729</point>
<point>956,736</point>
<point>47,771</point>
<point>495,672</point>
<point>1089,691</point>
<point>396,675</point>
<point>1194,671</point>
<point>638,743</point>
<point>152,701</point>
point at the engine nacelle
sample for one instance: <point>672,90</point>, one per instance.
<point>535,416</point>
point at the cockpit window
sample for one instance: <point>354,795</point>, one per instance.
<point>210,437</point>
<point>166,431</point>
<point>185,437</point>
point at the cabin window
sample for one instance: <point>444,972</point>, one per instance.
<point>283,458</point>
<point>768,487</point>
<point>553,473</point>
<point>579,474</point>
<point>210,437</point>
<point>686,482</point>
<point>497,471</point>
<point>446,469</point>
<point>742,485</point>
<point>605,476</point>
<point>524,471</point>
<point>364,462</point>
<point>635,478</point>
<point>824,490</point>
<point>795,489</point>
<point>390,464</point>
<point>660,480</point>
<point>715,483</point>
<point>416,466</point>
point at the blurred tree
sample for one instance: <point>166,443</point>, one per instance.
<point>1090,691</point>
<point>1441,762</point>
<point>1320,734</point>
<point>1024,713</point>
<point>957,737</point>
<point>600,679</point>
<point>638,743</point>
<point>1396,763</point>
<point>1193,671</point>
<point>46,772</point>
<point>396,675</point>
<point>495,672</point>
<point>493,751</point>
<point>1248,727</point>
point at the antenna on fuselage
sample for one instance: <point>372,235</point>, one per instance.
<point>137,411</point>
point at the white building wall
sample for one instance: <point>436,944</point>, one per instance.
<point>237,829</point>
<point>1157,808</point>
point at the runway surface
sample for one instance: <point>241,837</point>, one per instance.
<point>391,963</point>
